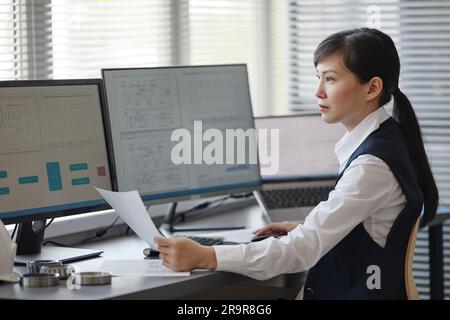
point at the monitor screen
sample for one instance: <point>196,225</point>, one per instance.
<point>53,149</point>
<point>306,146</point>
<point>182,132</point>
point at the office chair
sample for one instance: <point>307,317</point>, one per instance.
<point>411,289</point>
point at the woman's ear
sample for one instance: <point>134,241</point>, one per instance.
<point>374,88</point>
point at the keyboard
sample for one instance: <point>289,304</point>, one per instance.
<point>206,241</point>
<point>295,197</point>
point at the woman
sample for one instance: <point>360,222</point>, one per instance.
<point>385,181</point>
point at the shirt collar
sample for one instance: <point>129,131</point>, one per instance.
<point>352,139</point>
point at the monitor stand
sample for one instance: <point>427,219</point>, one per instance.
<point>167,228</point>
<point>170,221</point>
<point>30,236</point>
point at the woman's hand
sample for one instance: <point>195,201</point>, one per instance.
<point>182,254</point>
<point>282,228</point>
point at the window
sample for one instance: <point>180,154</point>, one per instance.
<point>7,40</point>
<point>235,31</point>
<point>311,21</point>
<point>421,31</point>
<point>76,39</point>
<point>92,34</point>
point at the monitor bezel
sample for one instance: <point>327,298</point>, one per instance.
<point>70,211</point>
<point>192,194</point>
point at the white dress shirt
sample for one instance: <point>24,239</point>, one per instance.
<point>367,192</point>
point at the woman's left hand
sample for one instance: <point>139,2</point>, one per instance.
<point>182,254</point>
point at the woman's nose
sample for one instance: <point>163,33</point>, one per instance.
<point>320,93</point>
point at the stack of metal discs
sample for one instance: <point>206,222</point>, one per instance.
<point>36,280</point>
<point>92,278</point>
<point>35,266</point>
<point>45,273</point>
<point>64,271</point>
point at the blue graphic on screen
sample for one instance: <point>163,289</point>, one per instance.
<point>27,180</point>
<point>78,166</point>
<point>80,181</point>
<point>54,176</point>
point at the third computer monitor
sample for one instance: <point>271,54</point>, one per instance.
<point>306,146</point>
<point>181,132</point>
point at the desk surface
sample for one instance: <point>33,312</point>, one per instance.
<point>130,247</point>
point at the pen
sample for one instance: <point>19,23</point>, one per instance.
<point>207,229</point>
<point>151,253</point>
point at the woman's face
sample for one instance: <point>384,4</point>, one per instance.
<point>341,97</point>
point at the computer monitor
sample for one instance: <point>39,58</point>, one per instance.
<point>306,147</point>
<point>53,151</point>
<point>154,110</point>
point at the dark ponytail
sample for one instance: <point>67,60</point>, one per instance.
<point>369,53</point>
<point>404,114</point>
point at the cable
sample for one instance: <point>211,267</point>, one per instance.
<point>181,216</point>
<point>198,210</point>
<point>197,213</point>
<point>101,232</point>
<point>238,196</point>
<point>14,231</point>
<point>46,226</point>
<point>17,225</point>
<point>128,231</point>
<point>55,243</point>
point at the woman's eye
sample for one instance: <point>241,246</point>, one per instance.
<point>330,79</point>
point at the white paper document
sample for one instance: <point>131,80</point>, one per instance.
<point>129,206</point>
<point>139,268</point>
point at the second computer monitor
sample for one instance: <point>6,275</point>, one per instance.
<point>176,132</point>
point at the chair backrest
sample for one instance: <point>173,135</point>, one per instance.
<point>411,289</point>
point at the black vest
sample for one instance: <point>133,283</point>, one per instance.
<point>344,272</point>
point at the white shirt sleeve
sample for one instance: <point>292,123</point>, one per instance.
<point>365,188</point>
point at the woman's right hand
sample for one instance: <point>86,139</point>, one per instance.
<point>282,228</point>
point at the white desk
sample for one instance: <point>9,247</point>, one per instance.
<point>200,285</point>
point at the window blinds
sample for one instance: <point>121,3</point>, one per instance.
<point>25,38</point>
<point>311,21</point>
<point>425,57</point>
<point>75,39</point>
<point>7,40</point>
<point>236,31</point>
<point>421,32</point>
<point>92,34</point>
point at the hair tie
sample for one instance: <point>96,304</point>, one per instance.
<point>396,91</point>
